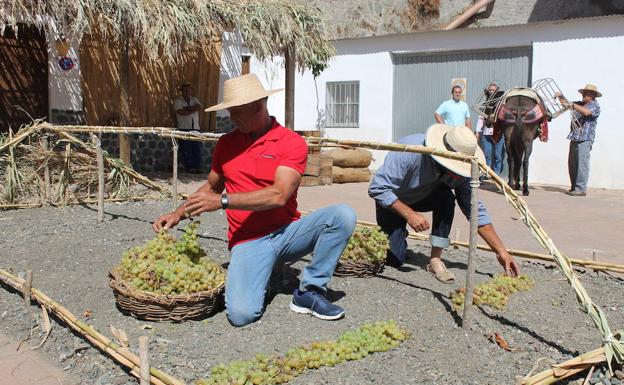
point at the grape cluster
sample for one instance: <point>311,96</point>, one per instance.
<point>367,244</point>
<point>493,293</point>
<point>165,265</point>
<point>278,369</point>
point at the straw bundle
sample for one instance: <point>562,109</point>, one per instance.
<point>165,28</point>
<point>71,170</point>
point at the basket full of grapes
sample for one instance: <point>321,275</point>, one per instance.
<point>168,279</point>
<point>365,254</point>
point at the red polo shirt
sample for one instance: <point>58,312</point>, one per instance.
<point>249,165</point>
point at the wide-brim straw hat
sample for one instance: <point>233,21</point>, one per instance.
<point>592,88</point>
<point>458,139</point>
<point>242,90</point>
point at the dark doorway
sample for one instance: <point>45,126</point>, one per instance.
<point>23,76</point>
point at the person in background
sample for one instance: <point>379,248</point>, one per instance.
<point>454,112</point>
<point>586,111</point>
<point>494,151</point>
<point>187,109</point>
<point>260,165</point>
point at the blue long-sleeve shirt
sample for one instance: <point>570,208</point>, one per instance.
<point>411,177</point>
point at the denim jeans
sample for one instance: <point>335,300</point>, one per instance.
<point>324,233</point>
<point>191,154</point>
<point>493,153</point>
<point>441,202</point>
<point>578,164</point>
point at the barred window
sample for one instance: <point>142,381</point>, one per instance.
<point>342,104</point>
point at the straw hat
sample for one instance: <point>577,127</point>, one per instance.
<point>459,139</point>
<point>592,88</point>
<point>242,90</point>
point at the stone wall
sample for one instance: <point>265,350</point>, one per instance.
<point>152,153</point>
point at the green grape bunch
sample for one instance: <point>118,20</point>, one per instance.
<point>368,244</point>
<point>375,337</point>
<point>164,265</point>
<point>493,293</point>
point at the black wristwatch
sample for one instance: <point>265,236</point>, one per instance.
<point>225,201</point>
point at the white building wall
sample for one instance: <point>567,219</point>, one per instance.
<point>560,49</point>
<point>64,88</point>
<point>574,63</point>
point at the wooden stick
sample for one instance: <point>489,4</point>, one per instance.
<point>573,366</point>
<point>591,371</point>
<point>144,359</point>
<point>27,286</point>
<point>159,131</point>
<point>100,164</point>
<point>472,250</point>
<point>392,147</point>
<point>174,191</point>
<point>22,134</point>
<point>119,354</point>
<point>46,171</point>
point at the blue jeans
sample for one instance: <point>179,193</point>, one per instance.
<point>324,233</point>
<point>191,154</point>
<point>441,202</point>
<point>578,164</point>
<point>493,153</point>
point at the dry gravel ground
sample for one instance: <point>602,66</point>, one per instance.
<point>71,254</point>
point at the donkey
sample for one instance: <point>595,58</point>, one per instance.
<point>520,118</point>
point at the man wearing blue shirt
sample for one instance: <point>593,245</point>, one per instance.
<point>454,111</point>
<point>581,138</point>
<point>408,184</point>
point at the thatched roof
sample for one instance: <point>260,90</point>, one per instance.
<point>166,27</point>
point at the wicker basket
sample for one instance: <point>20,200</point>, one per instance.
<point>362,269</point>
<point>161,307</point>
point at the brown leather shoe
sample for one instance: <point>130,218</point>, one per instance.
<point>577,193</point>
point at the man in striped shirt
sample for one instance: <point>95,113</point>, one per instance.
<point>582,137</point>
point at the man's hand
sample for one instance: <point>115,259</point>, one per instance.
<point>418,222</point>
<point>166,221</point>
<point>508,263</point>
<point>203,201</point>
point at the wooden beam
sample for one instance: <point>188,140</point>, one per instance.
<point>124,102</point>
<point>289,113</point>
<point>472,251</point>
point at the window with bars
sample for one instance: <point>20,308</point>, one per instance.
<point>342,104</point>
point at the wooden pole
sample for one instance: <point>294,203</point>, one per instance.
<point>472,251</point>
<point>27,287</point>
<point>124,101</point>
<point>174,188</point>
<point>100,164</point>
<point>46,171</point>
<point>289,113</point>
<point>457,232</point>
<point>144,361</point>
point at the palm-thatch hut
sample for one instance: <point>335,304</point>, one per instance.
<point>133,54</point>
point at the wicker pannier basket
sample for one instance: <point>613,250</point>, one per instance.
<point>362,269</point>
<point>161,307</point>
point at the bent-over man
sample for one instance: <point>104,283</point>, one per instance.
<point>409,184</point>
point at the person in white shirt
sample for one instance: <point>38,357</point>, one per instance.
<point>187,109</point>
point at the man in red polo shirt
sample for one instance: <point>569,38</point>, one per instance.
<point>260,166</point>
